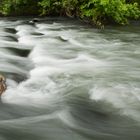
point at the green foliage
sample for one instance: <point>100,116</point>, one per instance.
<point>97,11</point>
<point>71,7</point>
<point>18,7</point>
<point>58,7</point>
<point>50,7</point>
<point>101,11</point>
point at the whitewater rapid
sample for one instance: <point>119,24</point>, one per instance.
<point>66,80</point>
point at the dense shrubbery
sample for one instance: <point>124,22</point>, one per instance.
<point>97,11</point>
<point>19,7</point>
<point>50,7</point>
<point>101,11</point>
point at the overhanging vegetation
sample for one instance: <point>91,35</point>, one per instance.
<point>98,12</point>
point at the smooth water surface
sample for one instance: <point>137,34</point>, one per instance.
<point>68,81</point>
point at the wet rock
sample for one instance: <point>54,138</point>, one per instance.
<point>2,84</point>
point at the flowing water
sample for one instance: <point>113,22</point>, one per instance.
<point>68,81</point>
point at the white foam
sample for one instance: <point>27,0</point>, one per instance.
<point>120,96</point>
<point>48,56</point>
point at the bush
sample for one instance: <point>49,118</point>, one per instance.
<point>101,11</point>
<point>97,11</point>
<point>71,8</point>
<point>50,7</point>
<point>19,7</point>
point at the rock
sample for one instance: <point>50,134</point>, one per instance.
<point>2,84</point>
<point>34,21</point>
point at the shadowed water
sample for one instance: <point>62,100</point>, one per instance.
<point>66,80</point>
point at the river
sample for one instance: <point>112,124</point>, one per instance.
<point>69,81</point>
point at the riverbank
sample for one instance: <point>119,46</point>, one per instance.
<point>97,12</point>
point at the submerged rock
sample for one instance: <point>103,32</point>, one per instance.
<point>33,21</point>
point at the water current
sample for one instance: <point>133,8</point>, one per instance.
<point>69,81</point>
